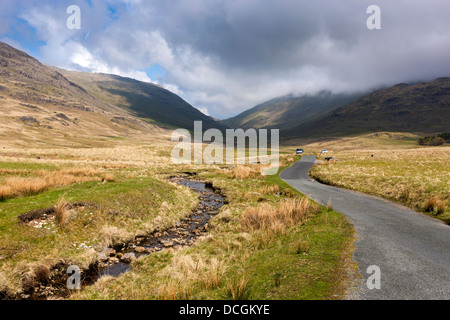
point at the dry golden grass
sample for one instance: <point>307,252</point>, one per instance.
<point>329,206</point>
<point>186,270</point>
<point>108,177</point>
<point>18,186</point>
<point>80,172</point>
<point>434,204</point>
<point>61,212</point>
<point>212,277</point>
<point>25,186</point>
<point>418,178</point>
<point>118,157</point>
<point>6,172</point>
<point>269,189</point>
<point>42,273</point>
<point>112,235</point>
<point>173,290</point>
<point>272,219</point>
<point>239,289</point>
<point>246,172</point>
<point>371,141</point>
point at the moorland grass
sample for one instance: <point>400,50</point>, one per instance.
<point>417,178</point>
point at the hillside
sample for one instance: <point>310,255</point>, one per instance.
<point>144,100</point>
<point>289,112</point>
<point>41,107</point>
<point>47,106</point>
<point>416,108</point>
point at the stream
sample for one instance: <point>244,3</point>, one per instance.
<point>184,233</point>
<point>117,260</point>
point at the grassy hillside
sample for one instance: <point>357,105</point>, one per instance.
<point>41,107</point>
<point>417,108</point>
<point>144,100</point>
<point>50,107</point>
<point>289,112</point>
<point>423,107</point>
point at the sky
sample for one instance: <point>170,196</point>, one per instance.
<point>226,56</point>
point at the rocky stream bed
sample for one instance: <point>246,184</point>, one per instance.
<point>116,260</point>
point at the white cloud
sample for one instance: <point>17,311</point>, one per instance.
<point>12,43</point>
<point>226,56</point>
<point>204,111</point>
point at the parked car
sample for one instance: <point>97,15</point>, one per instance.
<point>323,151</point>
<point>299,151</point>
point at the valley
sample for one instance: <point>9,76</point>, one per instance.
<point>87,179</point>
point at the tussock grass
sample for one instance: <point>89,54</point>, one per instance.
<point>268,218</point>
<point>302,246</point>
<point>441,207</point>
<point>61,212</point>
<point>269,189</point>
<point>246,172</point>
<point>267,222</point>
<point>239,289</point>
<point>173,290</point>
<point>435,205</point>
<point>42,273</point>
<point>111,235</point>
<point>185,271</point>
<point>79,172</point>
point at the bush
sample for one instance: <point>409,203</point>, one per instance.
<point>445,136</point>
<point>431,141</point>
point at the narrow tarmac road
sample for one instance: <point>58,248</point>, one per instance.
<point>411,250</point>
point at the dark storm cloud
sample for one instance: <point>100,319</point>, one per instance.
<point>230,55</point>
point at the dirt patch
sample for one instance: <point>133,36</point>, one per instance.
<point>43,214</point>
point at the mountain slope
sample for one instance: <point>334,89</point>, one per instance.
<point>41,107</point>
<point>289,112</point>
<point>47,106</point>
<point>144,100</point>
<point>415,108</point>
<point>420,108</point>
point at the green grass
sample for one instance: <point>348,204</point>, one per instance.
<point>129,205</point>
<point>249,269</point>
<point>312,275</point>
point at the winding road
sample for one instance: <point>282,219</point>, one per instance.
<point>411,250</point>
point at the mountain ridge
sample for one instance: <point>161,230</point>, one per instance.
<point>420,107</point>
<point>145,100</point>
<point>44,106</point>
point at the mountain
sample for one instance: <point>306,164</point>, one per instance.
<point>144,100</point>
<point>290,112</point>
<point>41,107</point>
<point>46,106</point>
<point>419,108</point>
